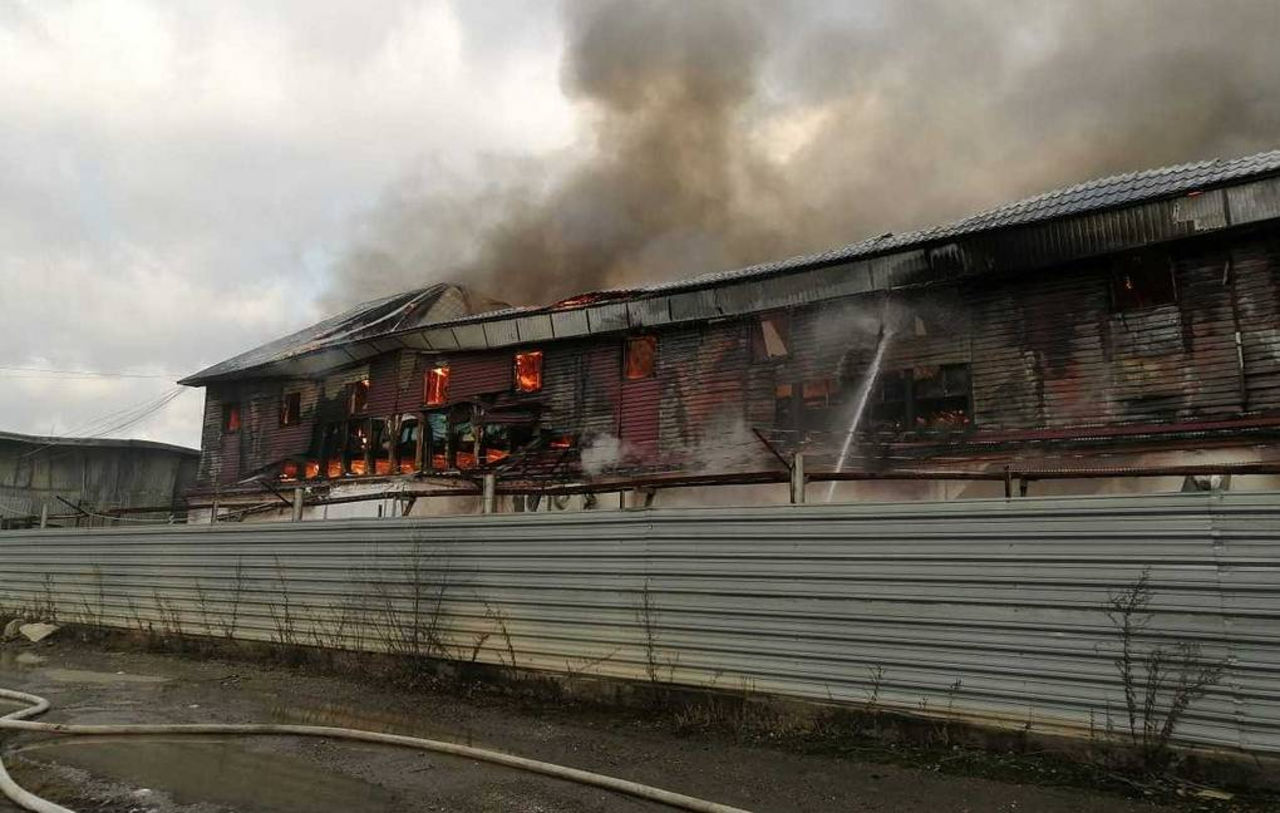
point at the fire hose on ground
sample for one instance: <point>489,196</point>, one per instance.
<point>17,721</point>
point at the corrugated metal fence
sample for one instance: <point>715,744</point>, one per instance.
<point>984,609</point>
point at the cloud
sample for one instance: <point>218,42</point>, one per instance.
<point>177,177</point>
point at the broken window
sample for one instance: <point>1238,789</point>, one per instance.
<point>941,395</point>
<point>331,438</point>
<point>641,354</point>
<point>1142,280</point>
<point>437,386</point>
<point>291,409</point>
<point>381,443</point>
<point>436,441</point>
<point>931,397</point>
<point>890,399</point>
<point>462,438</point>
<point>354,455</point>
<point>230,418</point>
<point>529,371</point>
<point>500,440</point>
<point>773,338</point>
<point>784,413</point>
<point>407,444</point>
<point>357,396</point>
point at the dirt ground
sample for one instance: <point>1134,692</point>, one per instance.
<point>89,683</point>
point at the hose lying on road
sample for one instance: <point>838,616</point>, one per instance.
<point>17,721</point>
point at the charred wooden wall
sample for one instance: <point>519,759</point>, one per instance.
<point>1046,351</point>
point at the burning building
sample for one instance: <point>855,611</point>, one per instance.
<point>1123,326</point>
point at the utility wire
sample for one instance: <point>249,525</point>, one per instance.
<point>81,373</point>
<point>117,421</point>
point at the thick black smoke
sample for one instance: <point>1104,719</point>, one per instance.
<point>727,133</point>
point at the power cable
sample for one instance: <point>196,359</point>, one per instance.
<point>50,371</point>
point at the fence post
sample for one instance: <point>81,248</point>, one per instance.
<point>489,498</point>
<point>797,479</point>
<point>44,514</point>
<point>297,505</point>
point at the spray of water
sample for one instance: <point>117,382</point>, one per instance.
<point>860,405</point>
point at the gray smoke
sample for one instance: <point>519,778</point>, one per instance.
<point>727,133</point>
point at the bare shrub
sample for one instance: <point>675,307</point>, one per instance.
<point>1160,683</point>
<point>648,617</point>
<point>94,613</point>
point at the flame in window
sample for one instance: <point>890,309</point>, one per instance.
<point>230,417</point>
<point>313,469</point>
<point>642,351</point>
<point>528,373</point>
<point>289,471</point>
<point>437,386</point>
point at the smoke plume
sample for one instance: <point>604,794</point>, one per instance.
<point>727,133</point>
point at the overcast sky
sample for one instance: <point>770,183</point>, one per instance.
<point>182,181</point>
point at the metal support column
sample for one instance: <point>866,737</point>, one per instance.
<point>797,479</point>
<point>489,498</point>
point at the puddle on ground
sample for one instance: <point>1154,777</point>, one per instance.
<point>11,659</point>
<point>218,772</point>
<point>86,676</point>
<point>370,719</point>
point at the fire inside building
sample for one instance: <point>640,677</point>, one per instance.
<point>1073,342</point>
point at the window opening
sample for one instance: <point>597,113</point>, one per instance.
<point>357,396</point>
<point>462,439</point>
<point>407,444</point>
<point>890,400</point>
<point>437,441</point>
<point>230,418</point>
<point>773,338</point>
<point>381,444</point>
<point>291,409</point>
<point>437,386</point>
<point>354,457</point>
<point>941,395</point>
<point>289,470</point>
<point>501,440</point>
<point>529,371</point>
<point>784,413</point>
<point>1143,280</point>
<point>641,356</point>
<point>817,397</point>
<point>331,449</point>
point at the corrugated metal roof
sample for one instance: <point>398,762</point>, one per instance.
<point>437,303</point>
<point>1090,196</point>
<point>404,313</point>
<point>43,441</point>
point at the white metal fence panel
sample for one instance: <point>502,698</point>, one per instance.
<point>990,610</point>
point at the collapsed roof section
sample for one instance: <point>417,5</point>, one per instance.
<point>1089,219</point>
<point>322,344</point>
